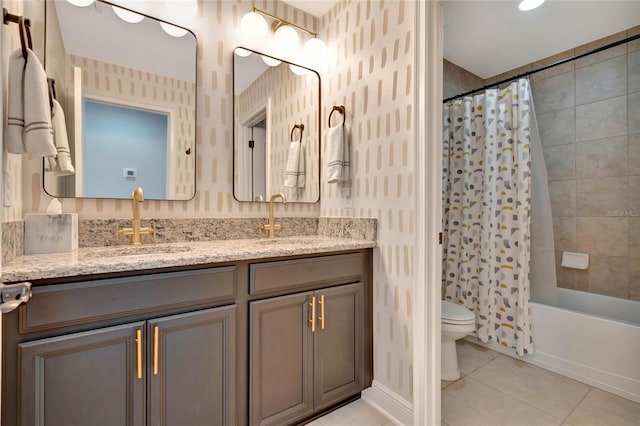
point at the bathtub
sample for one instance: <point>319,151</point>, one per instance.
<point>590,338</point>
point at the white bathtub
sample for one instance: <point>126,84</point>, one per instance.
<point>590,338</point>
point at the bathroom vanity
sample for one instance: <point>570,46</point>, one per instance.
<point>221,332</point>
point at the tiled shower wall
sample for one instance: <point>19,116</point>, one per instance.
<point>589,119</point>
<point>588,115</point>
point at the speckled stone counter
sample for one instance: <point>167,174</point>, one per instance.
<point>104,260</point>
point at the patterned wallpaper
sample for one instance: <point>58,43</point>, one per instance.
<point>371,72</point>
<point>295,99</point>
<point>217,29</point>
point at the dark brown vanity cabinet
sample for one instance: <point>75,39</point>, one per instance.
<point>176,369</point>
<point>308,350</point>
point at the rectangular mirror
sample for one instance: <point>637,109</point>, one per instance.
<point>130,111</point>
<point>276,117</point>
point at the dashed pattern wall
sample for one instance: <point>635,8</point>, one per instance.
<point>371,73</point>
<point>139,88</point>
<point>217,30</point>
<point>295,99</point>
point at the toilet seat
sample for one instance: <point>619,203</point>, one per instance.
<point>456,314</point>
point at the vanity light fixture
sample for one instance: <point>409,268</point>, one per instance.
<point>127,15</point>
<point>81,3</point>
<point>172,30</point>
<point>529,4</point>
<point>286,38</point>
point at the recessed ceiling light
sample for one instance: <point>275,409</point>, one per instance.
<point>529,4</point>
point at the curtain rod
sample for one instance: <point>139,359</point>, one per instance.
<point>546,67</point>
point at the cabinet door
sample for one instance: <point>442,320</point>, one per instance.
<point>191,368</point>
<point>281,362</point>
<point>92,378</point>
<point>339,356</point>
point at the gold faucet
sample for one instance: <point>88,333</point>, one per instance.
<point>271,227</point>
<point>136,231</point>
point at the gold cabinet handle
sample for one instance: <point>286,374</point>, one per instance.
<point>139,352</point>
<point>313,314</point>
<point>321,317</point>
<point>155,350</point>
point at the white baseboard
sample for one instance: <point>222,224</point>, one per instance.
<point>389,403</point>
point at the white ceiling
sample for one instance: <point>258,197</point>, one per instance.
<point>492,37</point>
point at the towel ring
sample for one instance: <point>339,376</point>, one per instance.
<point>297,126</point>
<point>8,18</point>
<point>341,110</point>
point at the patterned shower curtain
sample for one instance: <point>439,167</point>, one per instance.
<point>486,212</point>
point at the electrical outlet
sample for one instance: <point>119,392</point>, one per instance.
<point>8,190</point>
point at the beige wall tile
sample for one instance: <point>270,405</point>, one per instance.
<point>634,112</point>
<point>634,279</point>
<point>603,236</point>
<point>565,277</point>
<point>634,154</point>
<point>557,127</point>
<point>554,93</point>
<point>564,233</point>
<point>551,72</point>
<point>604,55</point>
<point>602,158</point>
<point>602,119</point>
<point>634,194</point>
<point>594,197</point>
<point>634,237</point>
<point>633,72</point>
<point>606,275</point>
<point>560,161</point>
<point>601,80</point>
<point>633,46</point>
<point>563,197</point>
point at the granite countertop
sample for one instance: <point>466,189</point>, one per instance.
<point>102,260</point>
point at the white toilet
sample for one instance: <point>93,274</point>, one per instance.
<point>457,322</point>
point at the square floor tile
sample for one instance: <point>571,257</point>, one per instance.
<point>355,413</point>
<point>601,408</point>
<point>547,391</point>
<point>471,403</point>
<point>472,356</point>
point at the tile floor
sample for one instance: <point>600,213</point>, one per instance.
<point>497,390</point>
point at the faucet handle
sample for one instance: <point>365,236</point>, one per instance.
<point>152,231</point>
<point>119,232</point>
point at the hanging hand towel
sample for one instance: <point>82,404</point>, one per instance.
<point>338,165</point>
<point>15,104</point>
<point>294,174</point>
<point>29,117</point>
<point>63,165</point>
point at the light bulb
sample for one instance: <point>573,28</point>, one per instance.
<point>81,3</point>
<point>253,26</point>
<point>127,15</point>
<point>529,4</point>
<point>315,52</point>
<point>242,52</point>
<point>270,61</point>
<point>297,70</point>
<point>286,39</point>
<point>172,30</point>
<point>181,9</point>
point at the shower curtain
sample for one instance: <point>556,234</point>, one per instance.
<point>486,212</point>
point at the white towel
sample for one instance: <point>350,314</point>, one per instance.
<point>294,174</point>
<point>338,164</point>
<point>28,115</point>
<point>61,165</point>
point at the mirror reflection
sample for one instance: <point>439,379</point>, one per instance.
<point>276,112</point>
<point>130,113</point>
